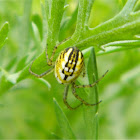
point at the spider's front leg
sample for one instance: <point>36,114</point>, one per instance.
<point>42,74</point>
<point>49,61</point>
<point>65,99</point>
<point>80,99</point>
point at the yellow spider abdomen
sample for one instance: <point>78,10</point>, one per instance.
<point>69,65</point>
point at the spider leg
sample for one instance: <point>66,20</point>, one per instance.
<point>49,61</point>
<point>80,99</point>
<point>84,71</point>
<point>42,74</point>
<point>91,85</point>
<point>65,99</point>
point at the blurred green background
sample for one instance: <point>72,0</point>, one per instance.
<point>27,109</point>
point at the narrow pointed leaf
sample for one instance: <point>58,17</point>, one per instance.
<point>54,12</point>
<point>63,122</point>
<point>3,34</point>
<point>90,112</point>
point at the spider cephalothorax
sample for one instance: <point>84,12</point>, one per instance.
<point>68,66</point>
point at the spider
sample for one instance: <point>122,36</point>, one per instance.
<point>68,66</point>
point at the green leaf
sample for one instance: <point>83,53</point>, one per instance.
<point>40,60</point>
<point>84,10</point>
<point>4,33</point>
<point>44,22</point>
<point>21,64</point>
<point>63,122</point>
<point>37,20</point>
<point>137,6</point>
<point>25,35</point>
<point>119,46</point>
<point>90,116</point>
<point>43,81</point>
<point>117,28</point>
<point>68,25</point>
<point>129,6</point>
<point>11,63</point>
<point>54,12</point>
<point>6,80</point>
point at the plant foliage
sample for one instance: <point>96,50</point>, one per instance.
<point>30,35</point>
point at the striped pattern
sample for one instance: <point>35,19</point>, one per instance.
<point>69,65</point>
